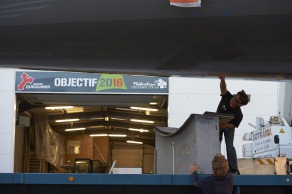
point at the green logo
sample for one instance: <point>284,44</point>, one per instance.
<point>111,81</point>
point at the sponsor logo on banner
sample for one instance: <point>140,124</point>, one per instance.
<point>111,81</point>
<point>27,82</point>
<point>157,84</point>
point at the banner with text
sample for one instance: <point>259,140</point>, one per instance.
<point>70,82</point>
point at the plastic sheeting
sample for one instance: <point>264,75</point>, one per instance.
<point>49,145</point>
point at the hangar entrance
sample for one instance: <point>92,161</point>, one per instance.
<point>102,127</point>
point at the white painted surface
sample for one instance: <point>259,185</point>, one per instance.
<point>7,124</point>
<point>7,120</point>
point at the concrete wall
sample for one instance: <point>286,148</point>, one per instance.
<point>7,120</point>
<point>197,95</point>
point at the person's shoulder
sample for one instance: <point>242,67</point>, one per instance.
<point>227,94</point>
<point>239,111</point>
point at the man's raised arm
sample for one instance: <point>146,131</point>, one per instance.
<point>223,86</point>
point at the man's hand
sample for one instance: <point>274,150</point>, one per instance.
<point>222,126</point>
<point>227,126</point>
<point>222,77</point>
<point>223,86</point>
<point>193,168</point>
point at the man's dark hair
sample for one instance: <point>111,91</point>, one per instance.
<point>243,97</point>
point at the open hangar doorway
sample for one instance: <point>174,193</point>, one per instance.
<point>103,115</point>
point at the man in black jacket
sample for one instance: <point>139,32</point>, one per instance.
<point>230,104</point>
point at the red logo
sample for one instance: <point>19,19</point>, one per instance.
<point>25,80</point>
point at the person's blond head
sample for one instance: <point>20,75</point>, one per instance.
<point>219,165</point>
